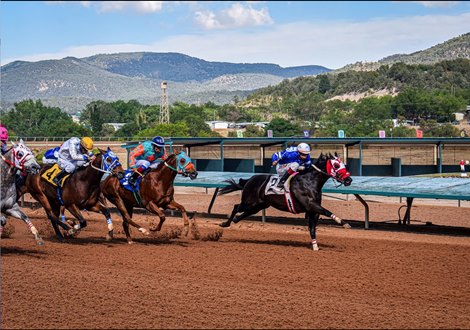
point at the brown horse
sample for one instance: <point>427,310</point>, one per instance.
<point>80,191</point>
<point>156,191</point>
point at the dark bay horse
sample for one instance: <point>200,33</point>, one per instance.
<point>80,191</point>
<point>156,191</point>
<point>305,189</point>
<point>19,157</point>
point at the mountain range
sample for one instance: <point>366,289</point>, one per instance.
<point>71,83</point>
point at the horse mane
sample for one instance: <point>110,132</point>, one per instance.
<point>162,163</point>
<point>318,162</point>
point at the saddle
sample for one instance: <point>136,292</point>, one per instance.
<point>51,173</point>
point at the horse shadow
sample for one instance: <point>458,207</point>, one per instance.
<point>284,243</point>
<point>38,254</point>
<point>98,240</point>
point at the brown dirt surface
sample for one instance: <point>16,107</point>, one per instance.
<point>251,275</point>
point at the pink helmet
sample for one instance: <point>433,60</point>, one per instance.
<point>3,133</point>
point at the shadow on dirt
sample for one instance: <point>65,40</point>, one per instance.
<point>39,254</point>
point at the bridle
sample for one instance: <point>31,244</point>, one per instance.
<point>20,157</point>
<point>182,162</point>
<point>332,170</point>
<point>109,162</point>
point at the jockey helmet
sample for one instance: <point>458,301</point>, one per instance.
<point>87,143</point>
<point>158,141</point>
<point>303,148</point>
<point>3,134</point>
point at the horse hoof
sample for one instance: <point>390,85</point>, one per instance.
<point>144,231</point>
<point>40,242</point>
<point>346,226</point>
<point>109,236</point>
<point>315,247</point>
<point>224,225</point>
<point>130,242</point>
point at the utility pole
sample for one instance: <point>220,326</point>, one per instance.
<point>164,108</point>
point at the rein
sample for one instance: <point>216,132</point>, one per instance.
<point>319,170</point>
<point>334,179</point>
<point>170,167</point>
<point>99,169</point>
<point>9,162</point>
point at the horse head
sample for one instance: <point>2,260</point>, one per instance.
<point>182,164</point>
<point>335,168</point>
<point>110,163</point>
<point>24,158</point>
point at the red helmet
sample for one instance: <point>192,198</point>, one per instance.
<point>3,133</point>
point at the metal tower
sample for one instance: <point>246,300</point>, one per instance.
<point>164,108</point>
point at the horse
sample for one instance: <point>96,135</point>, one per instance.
<point>80,191</point>
<point>156,191</point>
<point>306,189</point>
<point>19,157</point>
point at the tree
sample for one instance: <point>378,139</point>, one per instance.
<point>324,84</point>
<point>32,118</point>
<point>282,127</point>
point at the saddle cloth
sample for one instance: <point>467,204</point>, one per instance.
<point>51,173</point>
<point>125,182</point>
<point>272,189</point>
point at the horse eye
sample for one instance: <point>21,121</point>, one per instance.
<point>20,154</point>
<point>108,160</point>
<point>182,161</point>
<point>336,165</point>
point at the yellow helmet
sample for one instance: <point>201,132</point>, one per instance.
<point>87,143</point>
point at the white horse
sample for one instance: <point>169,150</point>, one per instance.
<point>19,157</point>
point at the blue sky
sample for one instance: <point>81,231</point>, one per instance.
<point>288,33</point>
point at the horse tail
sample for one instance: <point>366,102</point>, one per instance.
<point>232,186</point>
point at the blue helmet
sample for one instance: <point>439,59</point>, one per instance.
<point>158,141</point>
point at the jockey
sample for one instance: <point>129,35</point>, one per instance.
<point>73,152</point>
<point>145,155</point>
<point>3,139</point>
<point>290,160</point>
<point>51,156</point>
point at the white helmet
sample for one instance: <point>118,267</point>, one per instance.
<point>303,148</point>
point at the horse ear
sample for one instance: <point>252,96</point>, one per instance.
<point>101,150</point>
<point>21,141</point>
<point>336,154</point>
<point>109,149</point>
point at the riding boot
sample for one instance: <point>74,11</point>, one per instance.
<point>58,178</point>
<point>283,180</point>
<point>133,178</point>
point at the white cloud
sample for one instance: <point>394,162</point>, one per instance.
<point>331,44</point>
<point>236,16</point>
<point>434,4</point>
<point>142,7</point>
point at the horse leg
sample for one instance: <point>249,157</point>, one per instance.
<point>312,226</point>
<point>321,210</point>
<point>249,211</point>
<point>16,212</point>
<point>99,207</point>
<point>52,217</point>
<point>152,207</point>
<point>77,214</point>
<point>173,205</point>
<point>126,213</point>
<point>230,219</point>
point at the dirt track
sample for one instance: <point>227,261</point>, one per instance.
<point>255,276</point>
